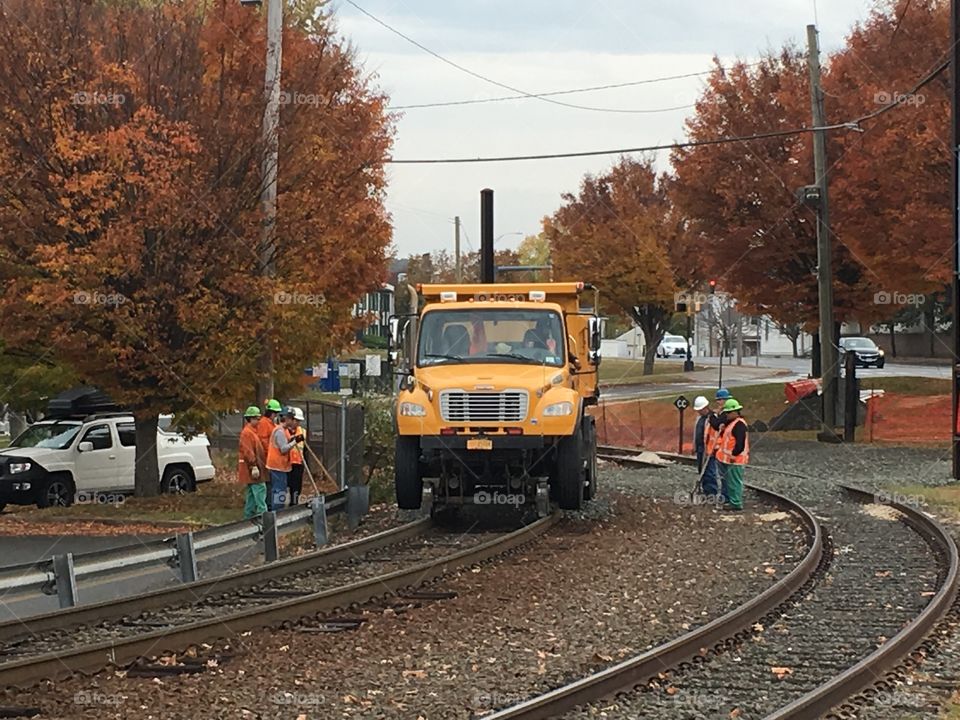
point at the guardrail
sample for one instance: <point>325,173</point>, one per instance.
<point>59,574</point>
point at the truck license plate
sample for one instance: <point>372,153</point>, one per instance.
<point>480,444</point>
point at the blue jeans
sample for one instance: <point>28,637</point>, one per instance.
<point>711,477</point>
<point>277,497</point>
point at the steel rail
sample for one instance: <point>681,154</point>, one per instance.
<point>860,676</point>
<point>636,670</point>
<point>192,592</point>
<point>122,651</point>
<point>815,703</point>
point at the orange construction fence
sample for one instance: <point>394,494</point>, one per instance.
<point>650,425</point>
<point>908,418</point>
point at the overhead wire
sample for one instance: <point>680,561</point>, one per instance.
<point>545,97</point>
<point>849,125</point>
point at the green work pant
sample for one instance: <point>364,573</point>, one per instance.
<point>733,484</point>
<point>255,500</point>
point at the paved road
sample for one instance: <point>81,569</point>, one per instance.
<point>771,370</point>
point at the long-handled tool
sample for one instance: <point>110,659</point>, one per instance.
<point>698,488</point>
<point>319,462</point>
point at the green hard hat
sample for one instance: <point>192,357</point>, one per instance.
<point>732,404</point>
<point>252,411</point>
<point>273,405</point>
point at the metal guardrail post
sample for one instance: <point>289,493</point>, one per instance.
<point>319,507</point>
<point>66,580</point>
<point>343,442</point>
<point>271,547</point>
<point>358,503</point>
<point>186,557</point>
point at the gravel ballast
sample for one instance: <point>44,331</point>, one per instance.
<point>631,572</point>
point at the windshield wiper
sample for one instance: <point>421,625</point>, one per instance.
<point>443,357</point>
<point>516,356</point>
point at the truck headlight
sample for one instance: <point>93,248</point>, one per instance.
<point>881,353</point>
<point>410,409</point>
<point>19,467</point>
<point>558,409</point>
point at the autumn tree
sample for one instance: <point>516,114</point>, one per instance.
<point>736,202</point>
<point>615,233</point>
<point>891,183</point>
<point>130,227</point>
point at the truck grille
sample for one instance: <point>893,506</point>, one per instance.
<point>460,406</point>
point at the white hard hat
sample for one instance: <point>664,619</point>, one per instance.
<point>700,402</point>
<point>298,414</point>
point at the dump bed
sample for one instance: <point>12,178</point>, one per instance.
<point>565,294</point>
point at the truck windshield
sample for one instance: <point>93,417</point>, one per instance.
<point>491,335</point>
<point>57,435</point>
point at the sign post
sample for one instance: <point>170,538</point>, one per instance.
<point>681,404</point>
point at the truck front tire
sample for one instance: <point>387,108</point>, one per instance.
<point>569,470</point>
<point>407,478</point>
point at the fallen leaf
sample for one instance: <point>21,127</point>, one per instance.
<point>781,672</point>
<point>414,673</point>
<point>770,571</point>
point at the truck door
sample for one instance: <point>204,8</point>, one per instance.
<point>578,328</point>
<point>97,468</point>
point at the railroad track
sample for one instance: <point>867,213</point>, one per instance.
<point>88,638</point>
<point>846,615</point>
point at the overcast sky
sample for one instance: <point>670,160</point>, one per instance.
<point>540,46</point>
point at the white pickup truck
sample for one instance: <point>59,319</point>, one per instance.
<point>60,460</point>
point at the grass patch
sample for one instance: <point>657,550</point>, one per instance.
<point>944,499</point>
<point>908,385</point>
<point>214,503</point>
<point>623,371</point>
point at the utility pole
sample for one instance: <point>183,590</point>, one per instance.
<point>456,247</point>
<point>268,168</point>
<point>828,358</point>
<point>955,32</point>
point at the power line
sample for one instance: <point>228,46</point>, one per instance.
<point>554,93</point>
<point>545,97</point>
<point>851,125</point>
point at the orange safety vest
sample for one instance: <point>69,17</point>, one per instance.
<point>710,437</point>
<point>727,443</point>
<point>296,454</point>
<point>277,460</point>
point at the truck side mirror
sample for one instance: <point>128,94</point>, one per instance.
<point>596,335</point>
<point>393,338</point>
<point>85,446</point>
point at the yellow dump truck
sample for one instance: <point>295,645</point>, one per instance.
<point>495,380</point>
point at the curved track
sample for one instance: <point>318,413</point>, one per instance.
<point>655,675</point>
<point>88,638</point>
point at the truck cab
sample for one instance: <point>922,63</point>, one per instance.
<point>495,382</point>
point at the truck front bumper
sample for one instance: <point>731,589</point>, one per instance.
<point>458,443</point>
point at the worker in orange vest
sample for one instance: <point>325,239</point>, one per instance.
<point>251,465</point>
<point>265,428</point>
<point>733,453</point>
<point>282,441</point>
<point>295,478</point>
<point>705,435</point>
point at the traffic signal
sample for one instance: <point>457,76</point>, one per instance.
<point>713,286</point>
